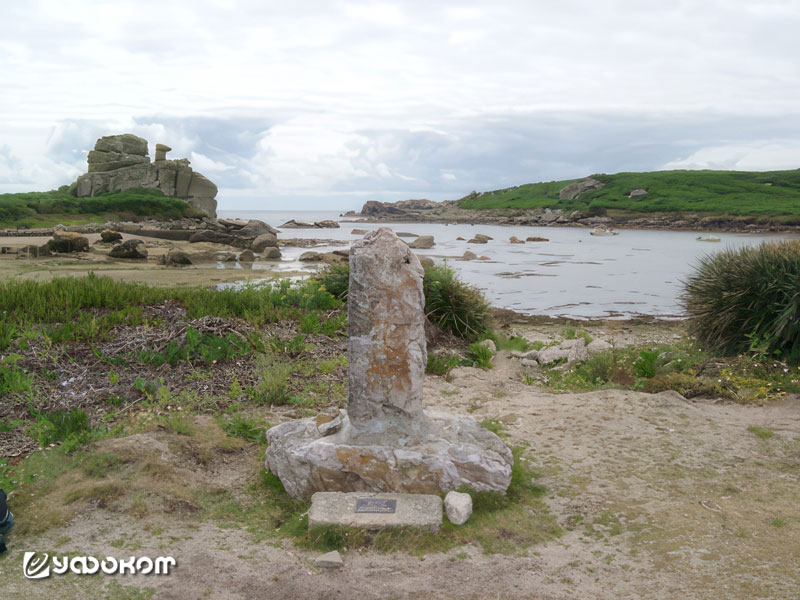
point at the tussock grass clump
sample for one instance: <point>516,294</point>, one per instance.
<point>454,306</point>
<point>748,300</point>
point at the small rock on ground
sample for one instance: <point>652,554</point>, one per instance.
<point>458,507</point>
<point>329,560</point>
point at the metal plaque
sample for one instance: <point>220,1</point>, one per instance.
<point>376,505</point>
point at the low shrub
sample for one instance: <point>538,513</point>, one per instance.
<point>480,355</point>
<point>748,300</point>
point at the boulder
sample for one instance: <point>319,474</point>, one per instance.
<point>109,236</point>
<point>637,193</point>
<point>536,239</point>
<point>469,255</point>
<point>271,254</point>
<point>247,256</point>
<point>423,242</point>
<point>598,346</point>
<point>480,239</point>
<point>310,256</point>
<point>177,257</point>
<point>578,353</point>
<point>68,241</point>
<point>573,190</point>
<point>458,507</point>
<point>426,262</point>
<point>358,232</point>
<point>134,248</point>
<point>515,240</point>
<point>253,229</point>
<point>264,241</point>
<point>329,560</point>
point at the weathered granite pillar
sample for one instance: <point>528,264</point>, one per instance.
<point>386,350</point>
<point>385,441</point>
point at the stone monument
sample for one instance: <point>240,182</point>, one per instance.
<point>385,441</point>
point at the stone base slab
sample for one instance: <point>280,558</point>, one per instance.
<point>441,453</point>
<point>410,510</point>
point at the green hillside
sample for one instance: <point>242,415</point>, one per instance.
<point>770,193</point>
<point>45,209</point>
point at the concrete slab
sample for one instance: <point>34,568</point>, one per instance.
<point>373,510</point>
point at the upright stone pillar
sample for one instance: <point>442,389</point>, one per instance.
<point>386,350</point>
<point>385,441</point>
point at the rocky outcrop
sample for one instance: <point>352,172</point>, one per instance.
<point>573,190</point>
<point>120,162</point>
<point>264,241</point>
<point>373,208</point>
<point>638,193</point>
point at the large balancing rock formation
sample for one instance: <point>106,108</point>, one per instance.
<point>385,441</point>
<point>120,162</point>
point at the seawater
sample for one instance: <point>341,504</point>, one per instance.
<point>574,274</point>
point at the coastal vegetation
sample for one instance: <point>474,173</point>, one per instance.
<point>748,300</point>
<point>46,209</point>
<point>759,194</point>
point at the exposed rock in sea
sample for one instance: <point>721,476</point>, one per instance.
<point>373,208</point>
<point>271,254</point>
<point>480,239</point>
<point>177,257</point>
<point>423,242</point>
<point>246,256</point>
<point>469,255</point>
<point>536,239</point>
<point>515,240</point>
<point>325,224</point>
<point>120,162</point>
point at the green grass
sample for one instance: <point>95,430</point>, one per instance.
<point>764,433</point>
<point>733,192</point>
<point>64,299</point>
<point>45,209</point>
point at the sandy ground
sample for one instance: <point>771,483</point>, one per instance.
<point>659,497</point>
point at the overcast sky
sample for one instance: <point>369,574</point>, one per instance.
<point>327,104</point>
